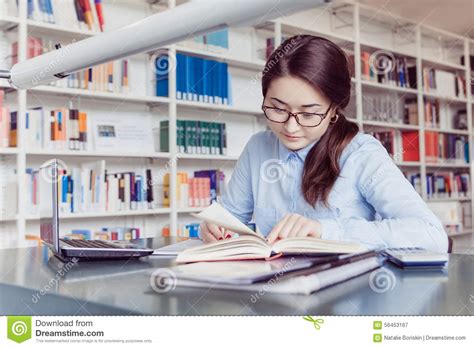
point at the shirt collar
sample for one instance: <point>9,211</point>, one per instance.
<point>285,153</point>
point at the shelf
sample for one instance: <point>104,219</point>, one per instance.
<point>434,63</point>
<point>448,165</point>
<point>448,131</point>
<point>206,157</point>
<point>37,27</point>
<point>445,97</point>
<point>396,51</point>
<point>99,95</point>
<point>407,164</point>
<point>5,21</point>
<point>217,107</point>
<point>389,124</point>
<point>448,199</point>
<point>388,87</point>
<point>463,233</point>
<point>124,213</point>
<point>190,210</point>
<point>298,30</point>
<point>231,61</point>
<point>95,154</point>
<point>8,151</point>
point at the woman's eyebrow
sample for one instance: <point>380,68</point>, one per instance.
<point>304,106</point>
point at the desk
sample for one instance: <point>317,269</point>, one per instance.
<point>123,288</point>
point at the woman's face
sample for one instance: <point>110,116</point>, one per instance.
<point>296,95</point>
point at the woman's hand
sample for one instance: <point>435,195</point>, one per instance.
<point>294,225</point>
<point>212,233</point>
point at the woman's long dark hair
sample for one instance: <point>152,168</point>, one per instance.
<point>325,66</point>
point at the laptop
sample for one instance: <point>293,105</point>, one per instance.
<point>50,226</point>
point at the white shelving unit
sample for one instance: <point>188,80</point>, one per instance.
<point>342,22</point>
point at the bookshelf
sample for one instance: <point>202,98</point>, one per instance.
<point>355,27</point>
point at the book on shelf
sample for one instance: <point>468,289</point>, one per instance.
<point>410,146</point>
<point>410,115</point>
<point>415,181</point>
<point>90,188</point>
<point>388,69</point>
<point>196,137</point>
<point>105,233</point>
<point>184,230</point>
<point>78,14</point>
<point>205,187</point>
<point>446,148</point>
<point>56,129</point>
<point>439,147</point>
<point>107,77</point>
<point>448,185</point>
<point>444,83</point>
<point>216,41</point>
<point>8,125</point>
<point>197,79</point>
<point>444,116</point>
<point>253,245</point>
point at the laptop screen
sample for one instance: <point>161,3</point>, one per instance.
<point>48,207</point>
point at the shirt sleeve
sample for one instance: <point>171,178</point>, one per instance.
<point>406,219</point>
<point>238,196</point>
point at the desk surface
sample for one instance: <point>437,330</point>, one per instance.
<point>32,282</point>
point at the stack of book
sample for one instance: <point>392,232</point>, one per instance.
<point>90,188</point>
<point>217,41</point>
<point>199,191</point>
<point>388,69</point>
<point>107,77</point>
<point>196,137</point>
<point>8,188</point>
<point>81,14</point>
<point>439,148</point>
<point>57,129</point>
<point>444,83</point>
<point>106,233</point>
<point>197,79</point>
<point>448,185</point>
<point>8,125</point>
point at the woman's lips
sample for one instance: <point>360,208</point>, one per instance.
<point>291,137</point>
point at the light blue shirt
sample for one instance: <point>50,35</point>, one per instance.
<point>371,202</point>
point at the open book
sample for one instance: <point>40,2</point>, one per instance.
<point>253,245</point>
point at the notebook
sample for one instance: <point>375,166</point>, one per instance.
<point>253,245</point>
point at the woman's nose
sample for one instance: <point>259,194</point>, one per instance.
<point>291,125</point>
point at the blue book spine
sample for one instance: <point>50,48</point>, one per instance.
<point>225,83</point>
<point>188,79</point>
<point>30,9</point>
<point>161,76</point>
<point>180,66</point>
<point>199,65</point>
<point>207,80</point>
<point>193,77</point>
<point>214,72</point>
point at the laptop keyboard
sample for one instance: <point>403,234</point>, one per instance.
<point>77,243</point>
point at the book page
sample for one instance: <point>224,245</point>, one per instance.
<point>220,216</point>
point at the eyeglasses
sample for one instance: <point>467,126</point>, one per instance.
<point>304,119</point>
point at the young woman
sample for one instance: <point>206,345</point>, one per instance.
<point>314,174</point>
